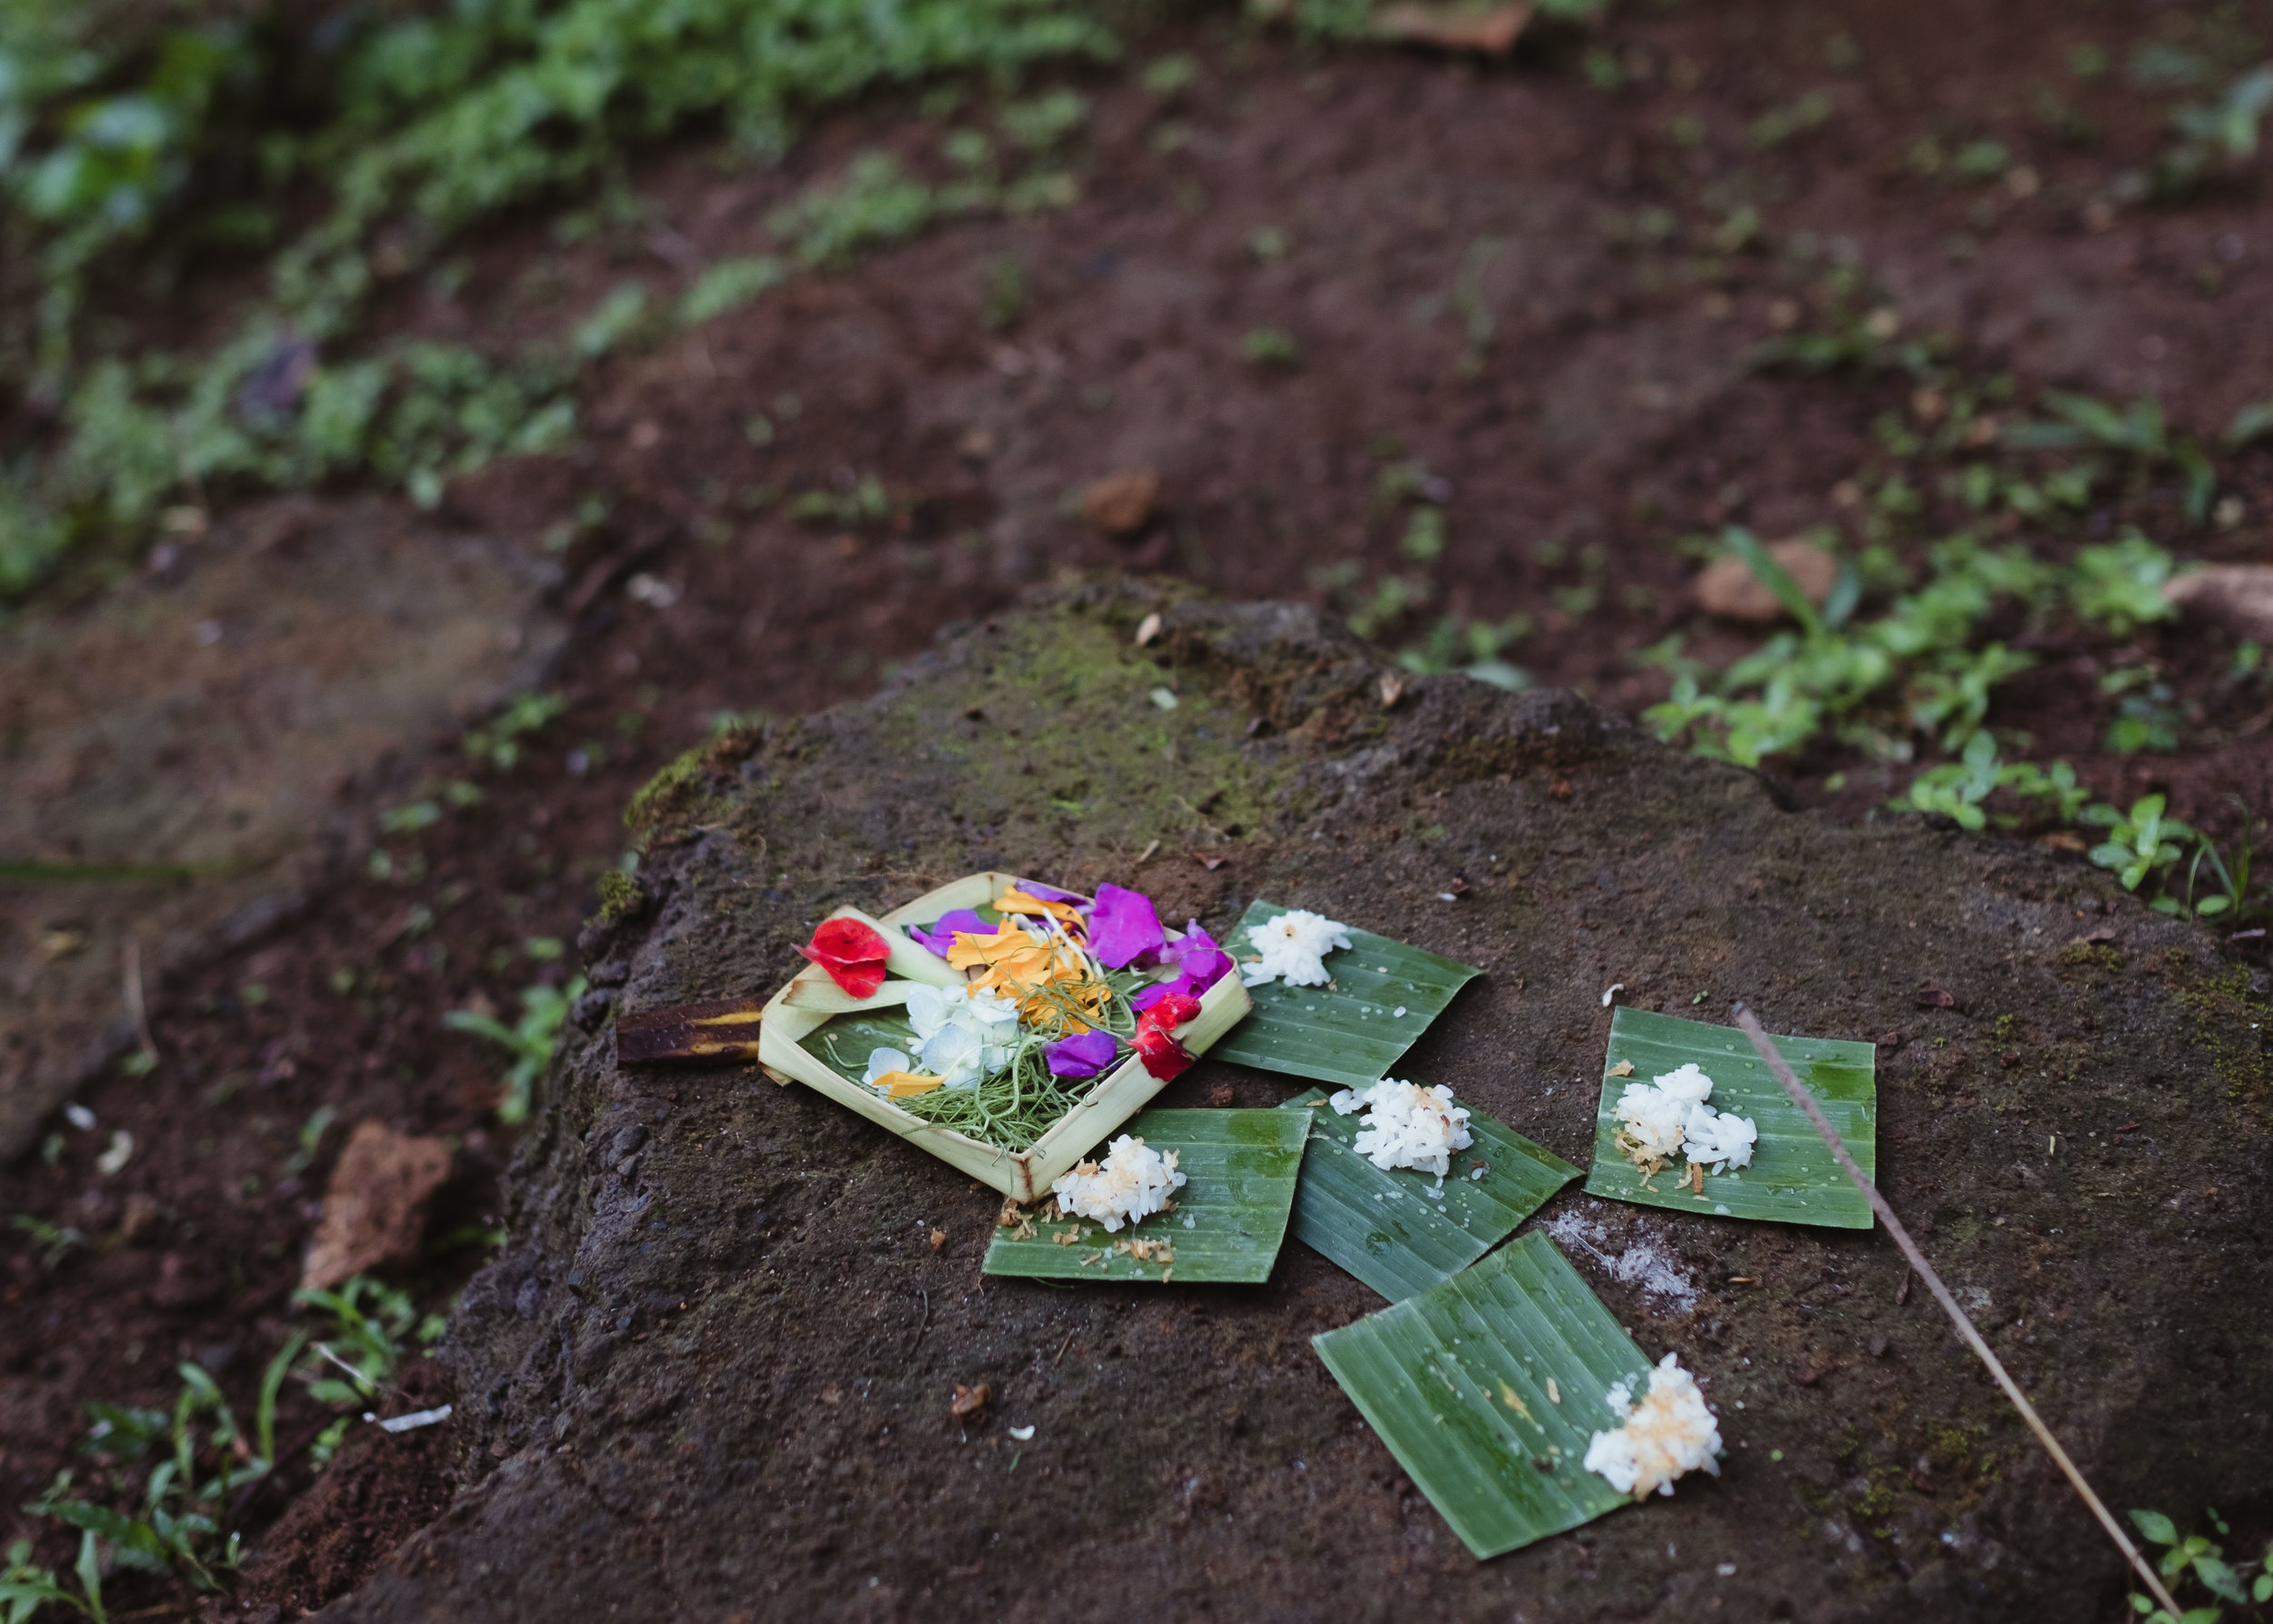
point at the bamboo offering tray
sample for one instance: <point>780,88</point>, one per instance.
<point>812,998</point>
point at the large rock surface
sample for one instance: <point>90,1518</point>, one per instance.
<point>710,1377</point>
<point>213,717</point>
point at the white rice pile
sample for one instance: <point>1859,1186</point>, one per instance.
<point>1669,1432</point>
<point>1135,1183</point>
<point>1667,1117</point>
<point>1720,1139</point>
<point>1294,948</point>
<point>1406,1125</point>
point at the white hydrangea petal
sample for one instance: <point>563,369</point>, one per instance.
<point>926,1010</point>
<point>950,1047</point>
<point>881,1060</point>
<point>987,1010</point>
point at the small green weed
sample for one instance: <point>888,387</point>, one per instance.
<point>2214,138</point>
<point>1958,789</point>
<point>55,1241</point>
<point>866,503</point>
<point>362,1347</point>
<point>1854,331</point>
<point>204,1458</point>
<point>1267,346</point>
<point>2137,431</point>
<point>1169,77</point>
<point>1425,537</point>
<point>425,122</point>
<point>198,1456</point>
<point>876,204</point>
<point>1777,125</point>
<point>2140,843</point>
<point>1005,301</point>
<point>1041,123</point>
<point>499,742</point>
<point>1839,676</point>
<point>530,1040</point>
<point>2148,713</point>
<point>727,286</point>
<point>2194,1557</point>
<point>2118,586</point>
<point>25,1588</point>
<point>312,1132</point>
<point>1471,647</point>
<point>418,815</point>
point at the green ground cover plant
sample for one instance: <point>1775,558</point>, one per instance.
<point>162,1486</point>
<point>117,135</point>
<point>2189,1562</point>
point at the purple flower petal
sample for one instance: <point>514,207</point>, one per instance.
<point>1084,1055</point>
<point>1051,893</point>
<point>1203,962</point>
<point>940,937</point>
<point>1193,939</point>
<point>1199,973</point>
<point>1125,927</point>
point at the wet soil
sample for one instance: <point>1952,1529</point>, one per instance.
<point>1581,390</point>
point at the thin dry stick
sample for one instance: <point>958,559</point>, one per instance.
<point>1805,1102</point>
<point>134,1005</point>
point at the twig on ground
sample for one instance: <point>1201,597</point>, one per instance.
<point>134,1005</point>
<point>923,1326</point>
<point>1805,1102</point>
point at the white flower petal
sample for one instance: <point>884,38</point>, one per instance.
<point>881,1060</point>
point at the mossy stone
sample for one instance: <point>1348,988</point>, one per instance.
<point>713,1379</point>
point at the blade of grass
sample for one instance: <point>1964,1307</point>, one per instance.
<point>1387,1229</point>
<point>1770,1053</point>
<point>1774,577</point>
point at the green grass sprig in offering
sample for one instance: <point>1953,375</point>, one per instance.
<point>1012,1108</point>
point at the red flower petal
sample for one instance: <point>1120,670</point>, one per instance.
<point>1163,1056</point>
<point>852,953</point>
<point>1167,1014</point>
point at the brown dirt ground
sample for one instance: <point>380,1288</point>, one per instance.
<point>1608,416</point>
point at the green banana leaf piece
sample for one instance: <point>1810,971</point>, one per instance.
<point>1383,996</point>
<point>1240,1170</point>
<point>1398,1230</point>
<point>1792,1179</point>
<point>1455,1381</point>
<point>843,1042</point>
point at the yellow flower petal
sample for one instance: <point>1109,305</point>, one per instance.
<point>1009,940</point>
<point>1015,901</point>
<point>906,1084</point>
